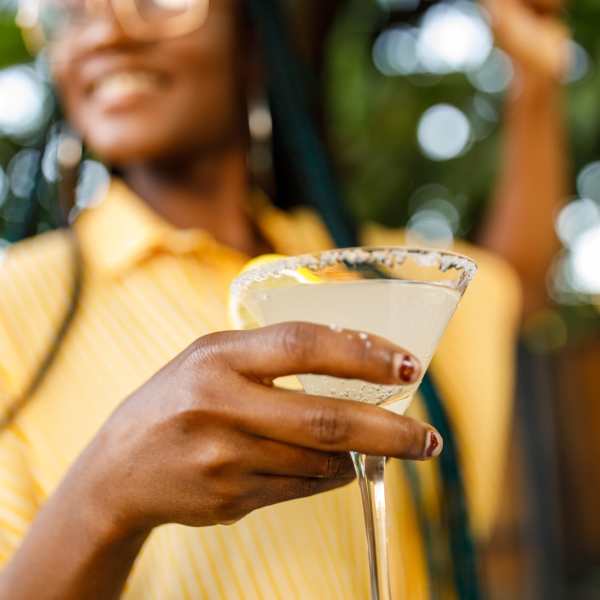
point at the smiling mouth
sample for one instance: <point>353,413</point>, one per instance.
<point>123,86</point>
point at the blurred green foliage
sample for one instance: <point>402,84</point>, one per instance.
<point>12,48</point>
<point>584,98</point>
<point>374,120</point>
<point>374,128</point>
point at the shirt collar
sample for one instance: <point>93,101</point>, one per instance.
<point>122,231</point>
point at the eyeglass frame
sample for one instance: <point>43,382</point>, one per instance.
<point>127,16</point>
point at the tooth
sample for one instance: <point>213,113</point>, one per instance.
<point>126,82</point>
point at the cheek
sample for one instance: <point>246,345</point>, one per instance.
<point>70,95</point>
<point>207,103</point>
<point>189,115</point>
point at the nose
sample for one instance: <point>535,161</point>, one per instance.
<point>102,28</point>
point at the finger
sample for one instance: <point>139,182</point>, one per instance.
<point>537,42</point>
<point>294,348</point>
<point>271,489</point>
<point>268,457</point>
<point>332,425</point>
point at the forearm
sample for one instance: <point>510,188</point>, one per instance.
<point>532,185</point>
<point>73,549</point>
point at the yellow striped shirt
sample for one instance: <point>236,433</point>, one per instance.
<point>149,291</point>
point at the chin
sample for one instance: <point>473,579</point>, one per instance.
<point>123,146</point>
<point>141,136</point>
<point>121,154</point>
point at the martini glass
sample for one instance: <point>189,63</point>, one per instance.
<point>405,295</point>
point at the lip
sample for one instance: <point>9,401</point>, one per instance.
<point>94,70</point>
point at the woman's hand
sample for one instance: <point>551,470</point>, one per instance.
<point>209,439</point>
<point>532,34</point>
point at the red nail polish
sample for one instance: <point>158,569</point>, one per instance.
<point>406,368</point>
<point>434,445</point>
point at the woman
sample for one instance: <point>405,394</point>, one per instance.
<point>93,465</point>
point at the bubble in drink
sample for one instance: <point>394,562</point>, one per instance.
<point>410,314</point>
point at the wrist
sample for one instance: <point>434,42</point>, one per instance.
<point>532,88</point>
<point>99,504</point>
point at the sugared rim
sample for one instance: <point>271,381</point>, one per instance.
<point>388,256</point>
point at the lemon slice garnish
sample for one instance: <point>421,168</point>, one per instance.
<point>240,315</point>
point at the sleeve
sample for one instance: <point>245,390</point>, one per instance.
<point>17,491</point>
<point>28,273</point>
<point>18,504</point>
<point>11,369</point>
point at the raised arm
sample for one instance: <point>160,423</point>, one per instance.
<point>532,183</point>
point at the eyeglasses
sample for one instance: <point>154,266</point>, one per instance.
<point>139,19</point>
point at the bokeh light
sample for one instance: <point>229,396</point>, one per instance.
<point>484,109</point>
<point>577,273</point>
<point>94,181</point>
<point>49,163</point>
<point>454,37</point>
<point>21,172</point>
<point>451,37</point>
<point>585,261</point>
<point>395,51</point>
<point>483,117</point>
<point>580,63</point>
<point>23,101</point>
<point>399,4</point>
<point>494,75</point>
<point>435,219</point>
<point>69,149</point>
<point>9,6</point>
<point>431,228</point>
<point>575,219</point>
<point>446,209</point>
<point>426,194</point>
<point>4,186</point>
<point>588,181</point>
<point>260,122</point>
<point>444,132</point>
<point>4,244</point>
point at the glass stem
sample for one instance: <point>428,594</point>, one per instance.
<point>371,471</point>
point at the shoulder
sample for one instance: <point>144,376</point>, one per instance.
<point>35,253</point>
<point>35,279</point>
<point>292,232</point>
<point>34,262</point>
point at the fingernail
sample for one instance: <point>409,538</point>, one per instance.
<point>433,444</point>
<point>406,368</point>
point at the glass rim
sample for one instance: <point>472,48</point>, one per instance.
<point>445,260</point>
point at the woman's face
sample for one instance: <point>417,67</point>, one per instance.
<point>135,101</point>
